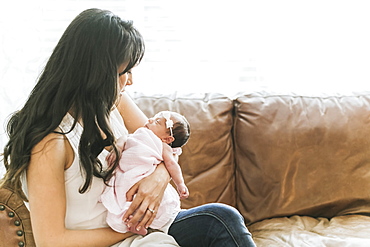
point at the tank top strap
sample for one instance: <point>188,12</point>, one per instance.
<point>73,135</point>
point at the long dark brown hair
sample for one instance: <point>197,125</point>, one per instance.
<point>80,76</point>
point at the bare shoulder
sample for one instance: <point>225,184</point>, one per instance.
<point>166,148</point>
<point>53,148</point>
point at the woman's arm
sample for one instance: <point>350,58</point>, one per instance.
<point>47,198</point>
<point>132,115</point>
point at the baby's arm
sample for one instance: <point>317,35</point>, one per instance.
<point>175,171</point>
<point>120,144</point>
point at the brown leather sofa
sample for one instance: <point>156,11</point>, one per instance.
<point>297,167</point>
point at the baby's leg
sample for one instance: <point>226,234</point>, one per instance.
<point>142,231</point>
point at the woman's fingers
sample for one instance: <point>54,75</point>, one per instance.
<point>139,208</point>
<point>152,213</point>
<point>130,198</point>
<point>146,218</point>
<point>147,193</point>
<point>139,212</point>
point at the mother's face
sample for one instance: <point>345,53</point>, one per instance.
<point>123,79</point>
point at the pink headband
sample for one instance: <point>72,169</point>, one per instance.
<point>169,122</point>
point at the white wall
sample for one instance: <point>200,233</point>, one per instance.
<point>197,46</point>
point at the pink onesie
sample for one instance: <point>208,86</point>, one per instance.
<point>143,151</point>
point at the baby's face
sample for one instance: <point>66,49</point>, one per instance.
<point>157,124</point>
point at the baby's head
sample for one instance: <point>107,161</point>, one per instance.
<point>171,127</point>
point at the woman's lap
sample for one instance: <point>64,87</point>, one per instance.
<point>213,224</point>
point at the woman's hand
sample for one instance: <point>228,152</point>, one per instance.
<point>146,195</point>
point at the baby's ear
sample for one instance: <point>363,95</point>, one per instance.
<point>168,139</point>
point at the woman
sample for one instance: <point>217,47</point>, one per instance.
<point>59,139</point>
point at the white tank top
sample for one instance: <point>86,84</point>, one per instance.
<point>84,211</point>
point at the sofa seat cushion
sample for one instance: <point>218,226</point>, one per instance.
<point>207,161</point>
<point>304,231</point>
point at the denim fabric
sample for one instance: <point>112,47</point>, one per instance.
<point>213,224</point>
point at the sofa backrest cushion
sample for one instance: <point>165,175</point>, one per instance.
<point>207,161</point>
<point>302,155</point>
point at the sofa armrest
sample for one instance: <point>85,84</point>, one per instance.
<point>15,223</point>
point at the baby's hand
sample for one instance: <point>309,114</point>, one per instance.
<point>183,191</point>
<point>111,157</point>
<point>120,145</point>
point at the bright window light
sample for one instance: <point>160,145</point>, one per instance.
<point>203,45</point>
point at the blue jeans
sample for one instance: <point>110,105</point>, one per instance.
<point>213,224</point>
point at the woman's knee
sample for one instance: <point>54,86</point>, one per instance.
<point>223,211</point>
<point>213,224</point>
